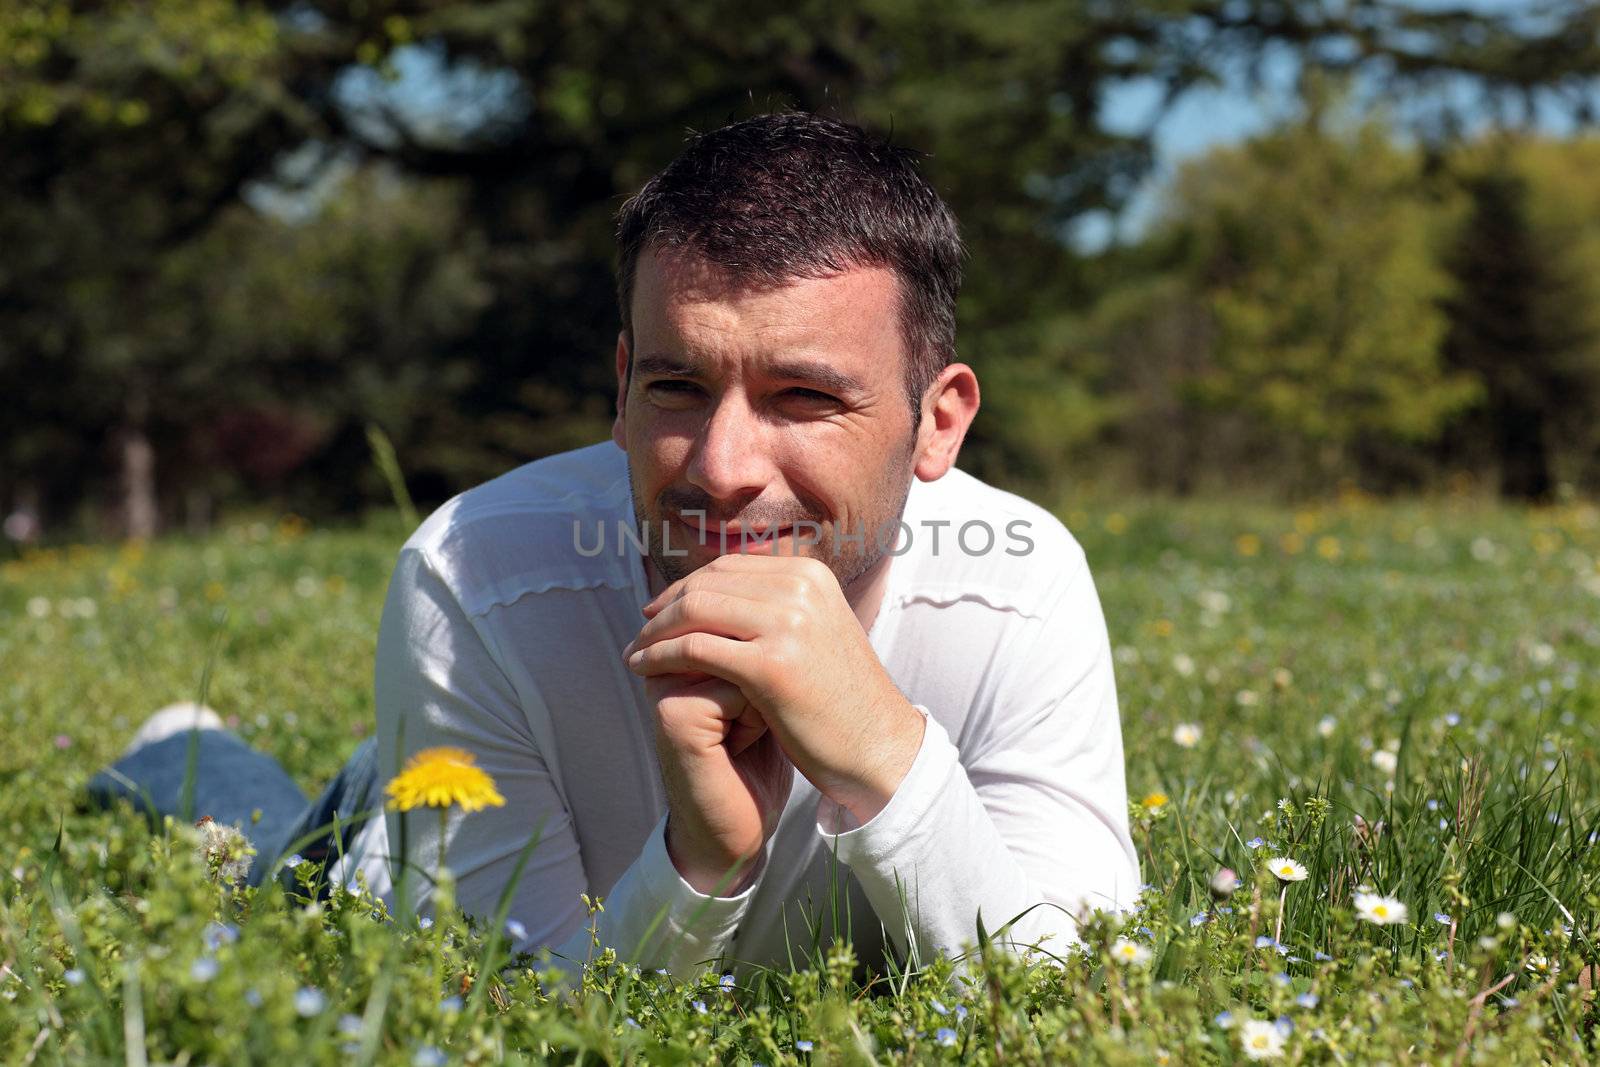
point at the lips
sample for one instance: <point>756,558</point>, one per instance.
<point>719,531</point>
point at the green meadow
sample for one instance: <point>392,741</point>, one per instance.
<point>1401,698</point>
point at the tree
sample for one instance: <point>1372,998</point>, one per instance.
<point>1522,320</point>
<point>129,127</point>
<point>1313,247</point>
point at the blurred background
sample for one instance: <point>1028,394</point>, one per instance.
<point>1273,248</point>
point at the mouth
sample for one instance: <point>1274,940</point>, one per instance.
<point>714,535</point>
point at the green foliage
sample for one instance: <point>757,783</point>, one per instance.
<point>1315,251</point>
<point>435,255</point>
<point>1394,696</point>
<point>1524,319</point>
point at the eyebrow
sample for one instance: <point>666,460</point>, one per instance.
<point>813,372</point>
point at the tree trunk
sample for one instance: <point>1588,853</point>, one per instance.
<point>138,513</point>
<point>1524,455</point>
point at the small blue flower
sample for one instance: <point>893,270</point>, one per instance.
<point>1452,719</point>
<point>516,931</point>
<point>1282,978</point>
<point>1223,1019</point>
<point>1146,931</point>
<point>1440,955</point>
<point>1321,957</point>
<point>631,1021</point>
<point>1254,842</point>
<point>1442,919</point>
<point>1284,1024</point>
<point>726,983</point>
<point>1405,983</point>
<point>961,1012</point>
<point>1198,919</point>
<point>804,1046</point>
<point>426,922</point>
<point>1225,909</point>
<point>450,1005</point>
<point>1306,1000</point>
<point>203,969</point>
<point>938,1007</point>
<point>699,1006</point>
<point>216,934</point>
<point>428,1056</point>
<point>945,1036</point>
<point>309,1001</point>
<point>1433,805</point>
<point>349,1025</point>
<point>73,976</point>
<point>294,861</point>
<point>1263,941</point>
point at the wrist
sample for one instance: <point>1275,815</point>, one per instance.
<point>871,793</point>
<point>711,872</point>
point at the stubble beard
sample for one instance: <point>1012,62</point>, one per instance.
<point>882,533</point>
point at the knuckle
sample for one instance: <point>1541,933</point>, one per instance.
<point>694,645</point>
<point>695,603</point>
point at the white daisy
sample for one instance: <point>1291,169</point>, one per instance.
<point>1260,1039</point>
<point>1383,911</point>
<point>1186,734</point>
<point>1287,870</point>
<point>1125,951</point>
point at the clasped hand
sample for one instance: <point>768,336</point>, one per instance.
<point>759,667</point>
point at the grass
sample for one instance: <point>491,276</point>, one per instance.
<point>1402,697</point>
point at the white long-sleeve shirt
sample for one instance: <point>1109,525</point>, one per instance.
<point>502,635</point>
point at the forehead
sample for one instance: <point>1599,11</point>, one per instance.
<point>685,303</point>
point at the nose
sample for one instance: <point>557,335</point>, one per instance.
<point>730,456</point>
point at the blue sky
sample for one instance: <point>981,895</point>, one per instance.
<point>1201,119</point>
<point>1233,112</point>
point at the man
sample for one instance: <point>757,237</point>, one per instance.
<point>767,648</point>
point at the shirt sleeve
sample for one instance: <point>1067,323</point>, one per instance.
<point>438,682</point>
<point>1027,820</point>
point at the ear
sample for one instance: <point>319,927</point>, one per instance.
<point>619,432</point>
<point>948,409</point>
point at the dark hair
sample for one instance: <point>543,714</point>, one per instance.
<point>791,195</point>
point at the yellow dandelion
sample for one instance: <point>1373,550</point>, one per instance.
<point>440,777</point>
<point>1154,801</point>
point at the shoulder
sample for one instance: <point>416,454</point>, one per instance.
<point>975,542</point>
<point>518,534</point>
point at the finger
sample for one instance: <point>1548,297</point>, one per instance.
<point>714,611</point>
<point>745,730</point>
<point>761,578</point>
<point>727,658</point>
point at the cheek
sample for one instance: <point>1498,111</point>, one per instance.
<point>838,483</point>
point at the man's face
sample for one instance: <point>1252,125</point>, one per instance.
<point>763,409</point>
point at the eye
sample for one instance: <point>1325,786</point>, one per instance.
<point>673,386</point>
<point>812,395</point>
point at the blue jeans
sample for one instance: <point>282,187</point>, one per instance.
<point>233,783</point>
